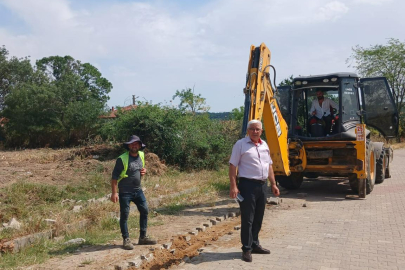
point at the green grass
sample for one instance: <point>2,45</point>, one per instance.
<point>37,253</point>
<point>220,185</point>
<point>30,203</point>
<point>87,261</point>
<point>172,208</point>
<point>105,230</point>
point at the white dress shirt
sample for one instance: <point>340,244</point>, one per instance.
<point>252,160</point>
<point>325,109</point>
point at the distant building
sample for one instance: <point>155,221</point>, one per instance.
<point>113,112</point>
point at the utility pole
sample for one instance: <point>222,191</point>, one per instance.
<point>133,99</point>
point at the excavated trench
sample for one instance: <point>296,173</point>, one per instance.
<point>183,248</point>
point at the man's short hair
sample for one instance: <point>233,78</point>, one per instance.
<point>254,121</point>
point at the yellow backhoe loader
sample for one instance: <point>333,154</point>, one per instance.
<point>302,146</point>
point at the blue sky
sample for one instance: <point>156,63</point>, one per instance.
<point>153,48</point>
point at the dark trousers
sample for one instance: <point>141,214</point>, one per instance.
<point>140,201</point>
<point>328,123</point>
<point>252,211</point>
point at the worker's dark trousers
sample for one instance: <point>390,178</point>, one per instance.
<point>140,201</point>
<point>252,211</point>
<point>328,123</point>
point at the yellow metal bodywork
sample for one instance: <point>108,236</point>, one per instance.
<point>293,156</point>
<point>264,105</point>
<point>297,156</point>
<point>361,150</point>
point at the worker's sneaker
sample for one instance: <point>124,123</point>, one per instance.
<point>127,244</point>
<point>146,241</point>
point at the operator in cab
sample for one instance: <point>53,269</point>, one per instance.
<point>321,109</point>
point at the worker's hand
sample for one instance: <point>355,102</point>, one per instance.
<point>114,197</point>
<point>275,190</point>
<point>314,112</point>
<point>233,192</point>
<point>143,171</point>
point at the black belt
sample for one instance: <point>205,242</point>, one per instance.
<point>253,180</point>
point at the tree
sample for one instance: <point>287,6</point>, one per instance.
<point>31,115</point>
<point>59,105</point>
<point>384,60</point>
<point>13,71</point>
<point>237,113</point>
<point>188,100</point>
<point>78,81</point>
<point>287,81</point>
<point>81,92</point>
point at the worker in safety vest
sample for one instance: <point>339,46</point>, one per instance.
<point>126,188</point>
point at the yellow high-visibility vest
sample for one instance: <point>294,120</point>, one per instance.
<point>125,159</point>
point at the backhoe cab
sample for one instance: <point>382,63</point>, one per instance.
<point>311,136</point>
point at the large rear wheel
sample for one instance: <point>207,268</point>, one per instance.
<point>370,171</point>
<point>293,181</point>
<point>380,168</point>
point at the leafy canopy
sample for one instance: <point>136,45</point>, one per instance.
<point>191,101</point>
<point>77,81</point>
<point>287,81</point>
<point>56,103</point>
<point>13,72</point>
<point>383,60</point>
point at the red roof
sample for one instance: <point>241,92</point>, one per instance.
<point>113,112</point>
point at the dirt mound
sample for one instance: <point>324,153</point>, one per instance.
<point>154,165</point>
<point>111,152</point>
<point>101,152</point>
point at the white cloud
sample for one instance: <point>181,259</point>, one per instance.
<point>149,49</point>
<point>373,2</point>
<point>42,14</point>
<point>332,11</point>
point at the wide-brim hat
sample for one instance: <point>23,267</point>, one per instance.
<point>133,139</point>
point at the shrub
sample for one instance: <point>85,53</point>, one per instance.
<point>179,138</point>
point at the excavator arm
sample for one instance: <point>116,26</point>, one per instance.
<point>260,104</point>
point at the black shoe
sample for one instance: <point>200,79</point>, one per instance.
<point>260,250</point>
<point>247,256</point>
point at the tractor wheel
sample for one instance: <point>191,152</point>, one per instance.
<point>389,155</point>
<point>370,171</point>
<point>371,168</point>
<point>293,181</point>
<point>380,167</point>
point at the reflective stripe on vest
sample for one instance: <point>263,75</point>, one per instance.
<point>125,159</point>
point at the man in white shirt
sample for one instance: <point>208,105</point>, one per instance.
<point>321,109</point>
<point>252,157</point>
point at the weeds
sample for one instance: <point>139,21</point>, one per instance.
<point>31,203</point>
<point>87,261</point>
<point>35,254</point>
